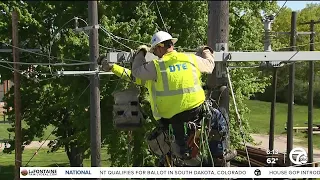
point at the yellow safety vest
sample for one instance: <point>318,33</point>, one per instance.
<point>178,85</point>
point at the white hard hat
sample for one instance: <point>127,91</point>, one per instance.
<point>159,37</point>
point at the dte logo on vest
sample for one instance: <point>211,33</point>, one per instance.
<point>178,67</point>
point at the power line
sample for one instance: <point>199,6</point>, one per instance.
<point>99,44</point>
<point>105,31</point>
<point>67,115</point>
<point>280,9</point>
<point>28,77</point>
<point>140,42</point>
<point>161,17</point>
<point>139,19</point>
<point>44,55</point>
<point>54,36</point>
<point>46,64</point>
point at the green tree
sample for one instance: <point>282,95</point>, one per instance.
<point>281,42</point>
<point>63,101</point>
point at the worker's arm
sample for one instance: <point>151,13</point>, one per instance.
<point>125,74</point>
<point>206,61</point>
<point>142,69</point>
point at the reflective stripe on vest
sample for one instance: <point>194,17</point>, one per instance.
<point>167,92</point>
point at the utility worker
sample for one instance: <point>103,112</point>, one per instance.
<point>173,82</point>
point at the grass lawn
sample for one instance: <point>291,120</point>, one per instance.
<point>4,134</point>
<point>259,118</point>
<point>42,159</point>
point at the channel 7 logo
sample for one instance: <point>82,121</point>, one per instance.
<point>297,156</point>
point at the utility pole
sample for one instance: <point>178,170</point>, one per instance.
<point>95,118</point>
<point>293,39</point>
<point>218,37</point>
<point>267,47</point>
<point>310,96</point>
<point>17,96</point>
<point>310,92</point>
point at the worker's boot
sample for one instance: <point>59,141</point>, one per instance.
<point>230,154</point>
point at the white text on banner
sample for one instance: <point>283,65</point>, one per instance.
<point>169,172</point>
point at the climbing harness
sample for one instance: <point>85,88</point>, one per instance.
<point>204,137</point>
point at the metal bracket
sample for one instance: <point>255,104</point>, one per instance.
<point>225,57</point>
<point>233,56</point>
<point>221,70</point>
<point>82,72</point>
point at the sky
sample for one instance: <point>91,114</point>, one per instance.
<point>296,5</point>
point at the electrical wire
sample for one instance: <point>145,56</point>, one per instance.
<point>274,17</point>
<point>244,67</point>
<point>54,36</point>
<point>40,54</point>
<point>85,62</point>
<point>46,64</point>
<point>139,19</point>
<point>99,44</point>
<point>130,40</point>
<point>295,52</point>
<point>23,73</point>
<point>40,147</point>
<point>299,45</point>
<point>161,17</point>
<point>238,115</point>
<point>55,127</point>
<point>140,42</point>
<point>105,31</point>
<point>280,9</point>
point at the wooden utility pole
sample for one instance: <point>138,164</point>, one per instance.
<point>293,40</point>
<point>310,96</point>
<point>267,47</point>
<point>218,36</point>
<point>95,118</point>
<point>17,96</point>
<point>310,92</point>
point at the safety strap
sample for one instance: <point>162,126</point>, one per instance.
<point>185,129</point>
<point>171,140</point>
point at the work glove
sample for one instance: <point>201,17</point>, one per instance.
<point>142,48</point>
<point>201,49</point>
<point>104,64</point>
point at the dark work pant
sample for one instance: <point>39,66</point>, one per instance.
<point>177,122</point>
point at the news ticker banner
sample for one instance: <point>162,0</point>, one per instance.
<point>170,172</point>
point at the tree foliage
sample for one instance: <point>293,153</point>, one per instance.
<point>281,42</point>
<point>63,101</point>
